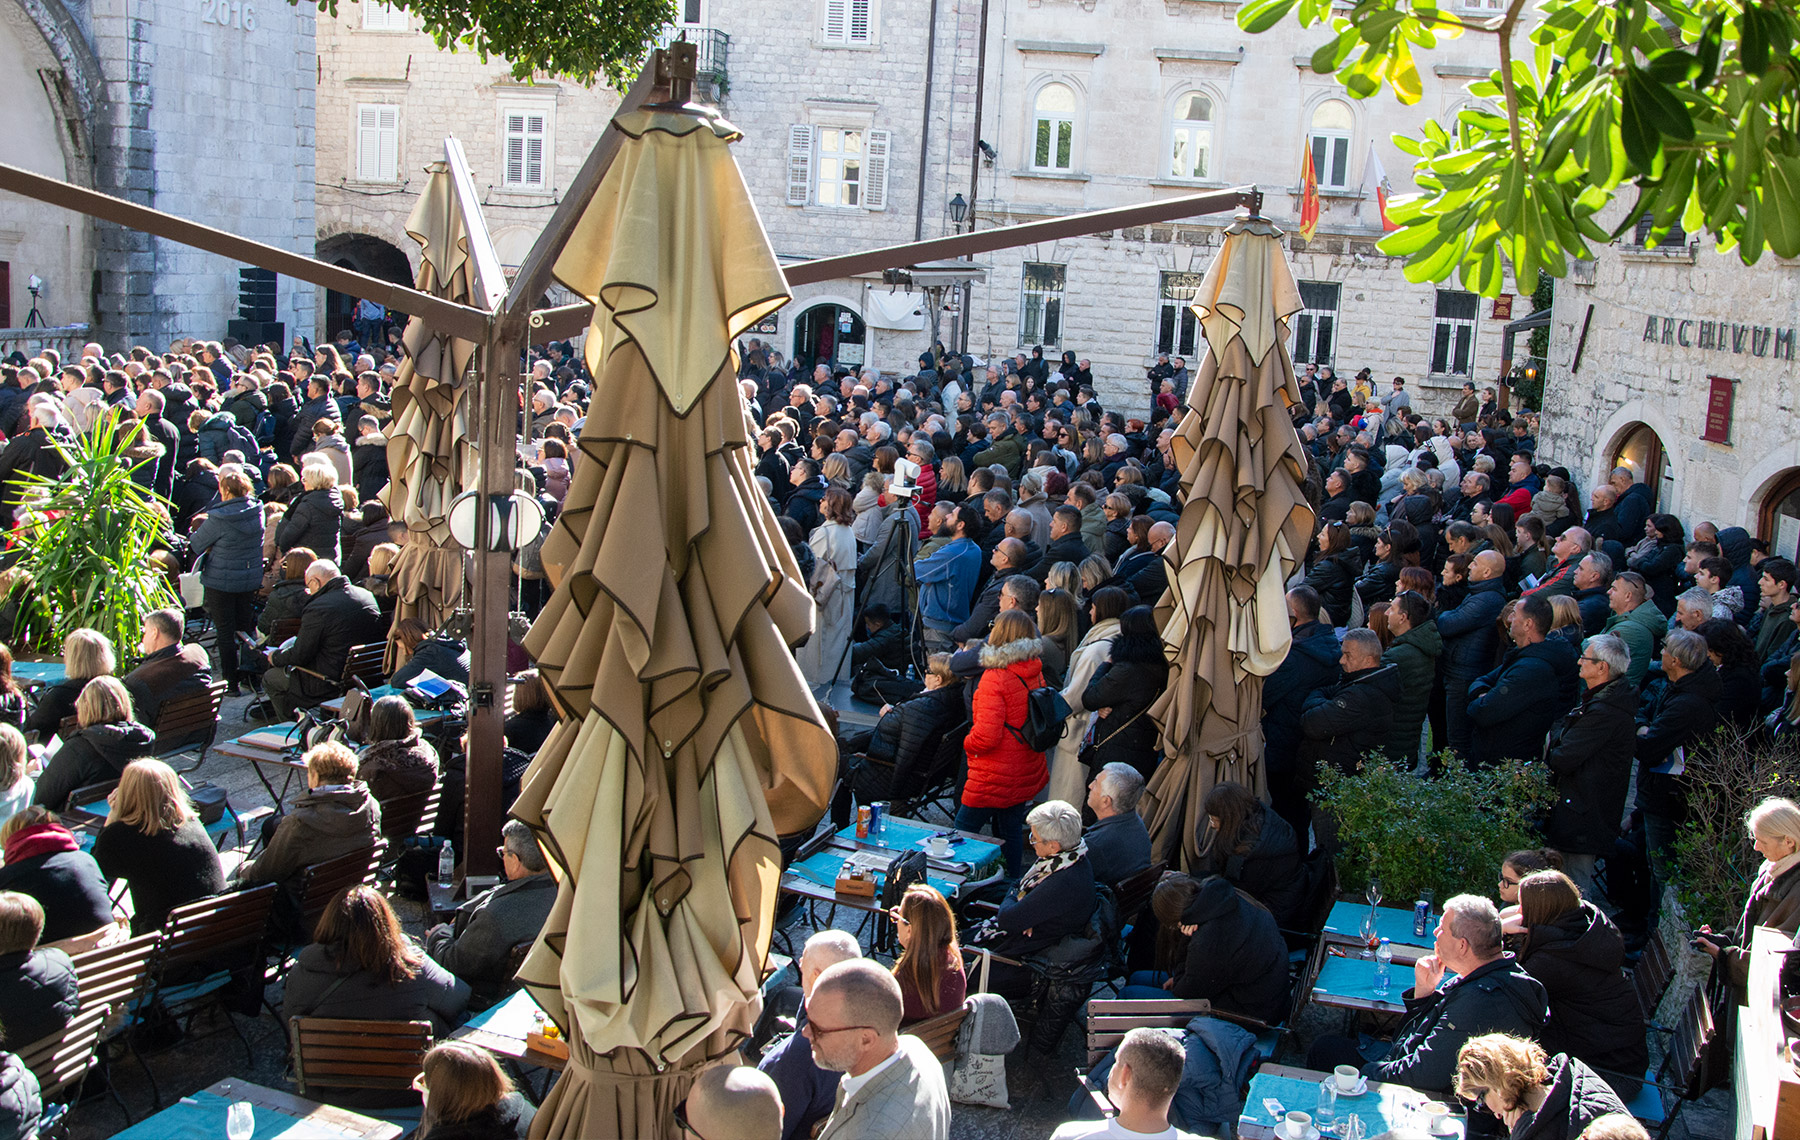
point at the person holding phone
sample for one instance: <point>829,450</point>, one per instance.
<point>1774,898</point>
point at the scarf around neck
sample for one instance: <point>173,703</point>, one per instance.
<point>1044,868</point>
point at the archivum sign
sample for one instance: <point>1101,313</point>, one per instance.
<point>1721,336</point>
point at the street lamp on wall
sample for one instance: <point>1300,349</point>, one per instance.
<point>959,209</point>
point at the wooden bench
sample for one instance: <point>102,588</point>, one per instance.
<point>939,1033</point>
<point>190,724</point>
<point>334,1053</point>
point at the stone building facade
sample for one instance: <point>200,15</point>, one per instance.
<point>203,110</point>
<point>388,97</point>
<point>1680,362</point>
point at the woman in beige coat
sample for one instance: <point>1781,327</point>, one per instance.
<point>1068,778</point>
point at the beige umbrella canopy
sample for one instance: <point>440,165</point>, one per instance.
<point>689,740</point>
<point>1244,524</point>
<point>429,458</point>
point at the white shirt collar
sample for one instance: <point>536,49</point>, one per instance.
<point>852,1085</point>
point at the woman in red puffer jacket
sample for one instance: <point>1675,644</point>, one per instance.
<point>1004,772</point>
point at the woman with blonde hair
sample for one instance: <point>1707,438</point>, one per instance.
<point>16,782</point>
<point>109,738</point>
<point>155,842</point>
<point>930,966</point>
<point>316,518</point>
<point>1537,1096</point>
<point>836,471</point>
<point>469,1097</point>
<point>952,482</point>
<point>86,654</point>
<point>1774,827</point>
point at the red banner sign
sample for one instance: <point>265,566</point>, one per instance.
<point>1719,403</point>
<point>1503,307</point>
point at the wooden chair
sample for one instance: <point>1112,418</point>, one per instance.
<point>116,977</point>
<point>1110,1019</point>
<point>411,815</point>
<point>73,808</point>
<point>1651,976</point>
<point>1133,896</point>
<point>203,944</point>
<point>323,881</point>
<point>62,1060</point>
<point>1683,1072</point>
<point>939,1033</point>
<point>366,663</point>
<point>190,724</point>
<point>332,1053</point>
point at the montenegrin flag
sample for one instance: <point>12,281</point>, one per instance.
<point>1309,197</point>
<point>1376,186</point>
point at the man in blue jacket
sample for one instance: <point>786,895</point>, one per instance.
<point>1515,705</point>
<point>947,578</point>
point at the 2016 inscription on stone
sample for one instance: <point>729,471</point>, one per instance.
<point>228,14</point>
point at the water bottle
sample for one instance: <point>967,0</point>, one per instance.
<point>1384,966</point>
<point>446,864</point>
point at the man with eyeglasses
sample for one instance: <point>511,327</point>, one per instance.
<point>477,945</point>
<point>1590,756</point>
<point>731,1102</point>
<point>806,1089</point>
<point>892,1086</point>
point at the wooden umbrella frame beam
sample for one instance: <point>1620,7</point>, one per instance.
<point>509,324</point>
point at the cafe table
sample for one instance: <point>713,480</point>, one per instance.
<point>1381,1108</point>
<point>274,752</point>
<point>279,1116</point>
<point>1349,983</point>
<point>38,672</point>
<point>501,1030</point>
<point>1343,927</point>
<point>972,859</point>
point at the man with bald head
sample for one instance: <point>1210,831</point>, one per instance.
<point>1150,579</point>
<point>1008,559</point>
<point>1021,525</point>
<point>734,1102</point>
<point>1469,642</point>
<point>1570,547</point>
<point>892,1087</point>
<point>805,1088</point>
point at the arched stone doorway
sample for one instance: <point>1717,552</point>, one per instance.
<point>365,254</point>
<point>1641,450</point>
<point>1778,518</point>
<point>829,334</point>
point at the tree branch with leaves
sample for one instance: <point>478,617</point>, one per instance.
<point>1695,105</point>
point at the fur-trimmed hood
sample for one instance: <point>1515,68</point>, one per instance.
<point>1002,656</point>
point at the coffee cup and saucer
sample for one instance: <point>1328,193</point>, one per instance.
<point>1349,1081</point>
<point>1438,1120</point>
<point>1297,1126</point>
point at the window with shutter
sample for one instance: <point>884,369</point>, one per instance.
<point>840,162</point>
<point>526,148</point>
<point>380,17</point>
<point>875,172</point>
<point>800,148</point>
<point>377,142</point>
<point>1453,332</point>
<point>862,24</point>
<point>837,22</point>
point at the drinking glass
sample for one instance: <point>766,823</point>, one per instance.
<point>1325,1115</point>
<point>1374,892</point>
<point>1370,935</point>
<point>240,1120</point>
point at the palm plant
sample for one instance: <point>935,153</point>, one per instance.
<point>87,543</point>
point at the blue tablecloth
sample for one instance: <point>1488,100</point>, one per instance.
<point>822,866</point>
<point>1355,978</point>
<point>203,1115</point>
<point>982,856</point>
<point>1395,925</point>
<point>1382,1109</point>
<point>39,672</point>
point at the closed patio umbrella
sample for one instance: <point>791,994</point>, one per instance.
<point>689,740</point>
<point>1244,524</point>
<point>429,458</point>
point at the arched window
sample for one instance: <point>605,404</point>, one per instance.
<point>1332,125</point>
<point>1191,137</point>
<point>1055,135</point>
<point>1641,450</point>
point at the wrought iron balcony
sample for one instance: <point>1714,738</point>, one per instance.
<point>711,47</point>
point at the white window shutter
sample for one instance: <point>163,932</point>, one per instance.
<point>861,29</point>
<point>368,143</point>
<point>800,153</point>
<point>515,160</point>
<point>390,144</point>
<point>837,19</point>
<point>534,160</point>
<point>875,172</point>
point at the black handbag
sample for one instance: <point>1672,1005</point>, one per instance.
<point>210,802</point>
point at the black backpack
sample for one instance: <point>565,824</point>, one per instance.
<point>1045,715</point>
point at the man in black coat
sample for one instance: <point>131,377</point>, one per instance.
<point>1354,717</point>
<point>1686,711</point>
<point>1118,843</point>
<point>1065,542</point>
<point>1513,707</point>
<point>1310,665</point>
<point>808,492</point>
<point>337,617</point>
<point>1593,578</point>
<point>30,453</point>
<point>1151,577</point>
<point>156,429</point>
<point>1491,994</point>
<point>318,406</point>
<point>1590,757</point>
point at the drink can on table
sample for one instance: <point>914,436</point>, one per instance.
<point>862,822</point>
<point>878,812</point>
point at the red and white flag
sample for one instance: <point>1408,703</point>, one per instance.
<point>1376,186</point>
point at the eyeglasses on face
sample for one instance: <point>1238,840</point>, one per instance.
<point>814,1029</point>
<point>1506,882</point>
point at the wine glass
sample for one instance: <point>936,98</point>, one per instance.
<point>1374,893</point>
<point>240,1120</point>
<point>1370,936</point>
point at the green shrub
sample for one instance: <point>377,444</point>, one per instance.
<point>1446,834</point>
<point>1728,773</point>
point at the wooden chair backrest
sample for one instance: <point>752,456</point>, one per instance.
<point>1133,893</point>
<point>117,975</point>
<point>63,1059</point>
<point>1685,1063</point>
<point>224,930</point>
<point>1652,974</point>
<point>366,663</point>
<point>939,1033</point>
<point>413,814</point>
<point>341,1053</point>
<point>1110,1019</point>
<point>282,629</point>
<point>325,880</point>
<point>191,720</point>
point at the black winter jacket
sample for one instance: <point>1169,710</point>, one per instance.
<point>1237,958</point>
<point>21,1101</point>
<point>510,1119</point>
<point>1498,997</point>
<point>1685,711</point>
<point>1594,1010</point>
<point>69,886</point>
<point>1415,653</point>
<point>368,459</point>
<point>315,520</point>
<point>38,994</point>
<point>1578,1096</point>
<point>1515,705</point>
<point>1468,629</point>
<point>1378,582</point>
<point>96,753</point>
<point>1311,665</point>
<point>1128,734</point>
<point>1266,865</point>
<point>1590,756</point>
<point>287,599</point>
<point>336,619</point>
<point>906,738</point>
<point>888,645</point>
<point>1054,909</point>
<point>1351,719</point>
<point>232,540</point>
<point>1334,576</point>
<point>1658,566</point>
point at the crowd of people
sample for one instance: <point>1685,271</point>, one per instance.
<point>983,541</point>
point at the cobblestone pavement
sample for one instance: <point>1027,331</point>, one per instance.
<point>1039,1104</point>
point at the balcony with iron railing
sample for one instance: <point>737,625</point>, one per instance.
<point>711,46</point>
